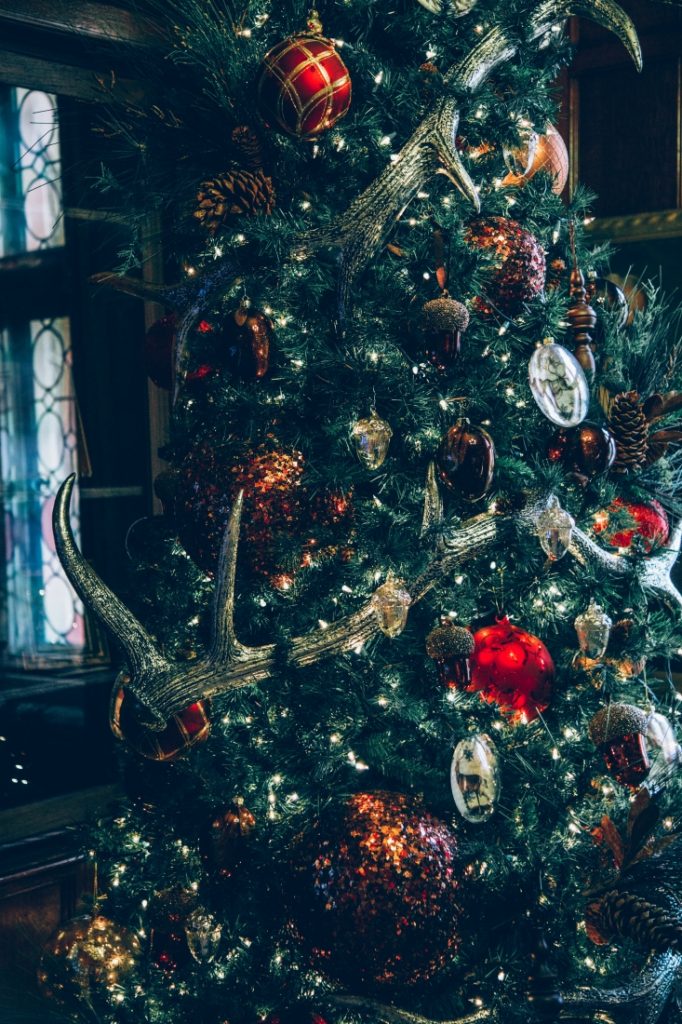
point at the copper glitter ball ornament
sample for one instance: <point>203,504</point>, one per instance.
<point>517,269</point>
<point>87,958</point>
<point>375,891</point>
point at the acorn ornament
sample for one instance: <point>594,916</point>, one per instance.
<point>451,647</point>
<point>442,323</point>
<point>391,604</point>
<point>303,86</point>
<point>593,628</point>
<point>371,437</point>
<point>618,731</point>
<point>555,529</point>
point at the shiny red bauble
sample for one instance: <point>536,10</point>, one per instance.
<point>304,86</point>
<point>513,669</point>
<point>518,267</point>
<point>650,522</point>
<point>183,731</point>
<point>375,891</point>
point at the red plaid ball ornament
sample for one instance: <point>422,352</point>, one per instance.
<point>303,86</point>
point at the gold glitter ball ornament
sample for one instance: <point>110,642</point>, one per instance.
<point>87,958</point>
<point>375,891</point>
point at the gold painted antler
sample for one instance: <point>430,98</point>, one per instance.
<point>364,227</point>
<point>164,687</point>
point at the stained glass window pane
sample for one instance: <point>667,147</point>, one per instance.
<point>38,449</point>
<point>30,172</point>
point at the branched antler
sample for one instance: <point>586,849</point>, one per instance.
<point>165,687</point>
<point>640,1002</point>
<point>432,149</point>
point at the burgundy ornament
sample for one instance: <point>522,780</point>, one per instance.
<point>587,450</point>
<point>618,731</point>
<point>169,949</point>
<point>159,346</point>
<point>451,648</point>
<point>442,323</point>
<point>247,336</point>
<point>375,891</point>
<point>517,273</point>
<point>466,460</point>
<point>182,732</point>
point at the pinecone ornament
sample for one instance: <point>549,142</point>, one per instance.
<point>248,144</point>
<point>631,419</point>
<point>232,194</point>
<point>630,428</point>
<point>656,926</point>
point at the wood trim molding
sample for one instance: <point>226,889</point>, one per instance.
<point>64,79</point>
<point>79,19</point>
<point>638,227</point>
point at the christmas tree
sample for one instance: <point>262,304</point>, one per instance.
<point>397,718</point>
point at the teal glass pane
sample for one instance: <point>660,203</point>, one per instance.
<point>38,449</point>
<point>31,214</point>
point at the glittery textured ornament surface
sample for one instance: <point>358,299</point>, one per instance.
<point>442,323</point>
<point>375,896</point>
<point>451,648</point>
<point>517,275</point>
<point>183,731</point>
<point>650,523</point>
<point>304,86</point>
<point>618,731</point>
<point>87,958</point>
<point>271,481</point>
<point>513,669</point>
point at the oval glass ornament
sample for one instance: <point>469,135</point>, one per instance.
<point>475,778</point>
<point>559,385</point>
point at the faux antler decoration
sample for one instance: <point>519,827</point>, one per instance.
<point>432,149</point>
<point>165,687</point>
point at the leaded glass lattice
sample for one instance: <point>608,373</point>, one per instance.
<point>38,449</point>
<point>30,172</point>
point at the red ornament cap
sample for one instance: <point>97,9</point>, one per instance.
<point>513,669</point>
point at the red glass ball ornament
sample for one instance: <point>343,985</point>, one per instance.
<point>466,461</point>
<point>375,891</point>
<point>650,522</point>
<point>182,732</point>
<point>518,266</point>
<point>159,345</point>
<point>304,86</point>
<point>513,669</point>
<point>295,1015</point>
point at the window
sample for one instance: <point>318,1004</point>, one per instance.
<point>38,414</point>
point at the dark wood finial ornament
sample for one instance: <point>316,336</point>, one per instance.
<point>581,316</point>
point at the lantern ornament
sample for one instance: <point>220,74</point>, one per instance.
<point>555,530</point>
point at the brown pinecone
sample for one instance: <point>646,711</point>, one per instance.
<point>248,144</point>
<point>232,194</point>
<point>630,428</point>
<point>653,927</point>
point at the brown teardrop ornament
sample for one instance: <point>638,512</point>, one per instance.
<point>587,450</point>
<point>247,335</point>
<point>466,460</point>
